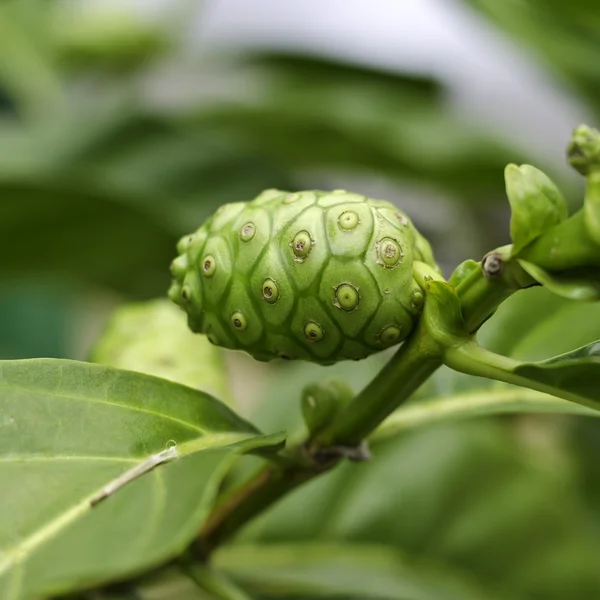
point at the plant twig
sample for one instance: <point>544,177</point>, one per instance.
<point>415,361</point>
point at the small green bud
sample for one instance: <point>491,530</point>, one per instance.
<point>322,402</point>
<point>536,204</point>
<point>583,150</point>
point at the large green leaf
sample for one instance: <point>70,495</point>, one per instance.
<point>536,324</point>
<point>576,372</point>
<point>337,570</point>
<point>471,499</point>
<point>70,431</point>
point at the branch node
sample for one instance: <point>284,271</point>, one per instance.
<point>492,265</point>
<point>358,453</point>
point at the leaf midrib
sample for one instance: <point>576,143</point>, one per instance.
<point>12,555</point>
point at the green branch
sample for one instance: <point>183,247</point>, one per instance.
<point>416,360</point>
<point>451,315</point>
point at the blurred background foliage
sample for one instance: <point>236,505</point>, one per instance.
<point>117,137</point>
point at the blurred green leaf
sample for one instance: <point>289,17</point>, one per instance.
<point>174,582</point>
<point>316,113</point>
<point>107,39</point>
<point>27,70</point>
<point>72,429</point>
<point>153,338</point>
<point>78,231</point>
<point>334,570</point>
<point>470,499</point>
<point>34,317</point>
<point>563,36</point>
<point>481,400</point>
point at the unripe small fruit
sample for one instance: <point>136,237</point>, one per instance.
<point>318,276</point>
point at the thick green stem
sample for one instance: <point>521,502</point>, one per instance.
<point>413,363</point>
<point>251,498</point>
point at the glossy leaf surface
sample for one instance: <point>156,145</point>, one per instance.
<point>72,429</point>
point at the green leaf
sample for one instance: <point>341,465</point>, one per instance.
<point>536,204</point>
<point>105,39</point>
<point>575,284</point>
<point>336,570</point>
<point>323,114</point>
<point>469,500</point>
<point>576,373</point>
<point>536,324</point>
<point>81,232</point>
<point>463,271</point>
<point>562,36</point>
<point>174,582</point>
<point>153,337</point>
<point>26,69</point>
<point>70,433</point>
<point>480,400</point>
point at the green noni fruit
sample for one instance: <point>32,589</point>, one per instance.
<point>317,276</point>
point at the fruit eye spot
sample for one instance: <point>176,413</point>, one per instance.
<point>291,198</point>
<point>209,266</point>
<point>247,232</point>
<point>313,332</point>
<point>301,245</point>
<point>346,297</point>
<point>186,293</point>
<point>389,335</point>
<point>389,253</point>
<point>270,291</point>
<point>348,220</point>
<point>238,320</point>
<point>417,299</point>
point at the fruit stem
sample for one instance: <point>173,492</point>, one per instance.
<point>416,360</point>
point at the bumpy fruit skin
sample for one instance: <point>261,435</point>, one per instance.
<point>317,276</point>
